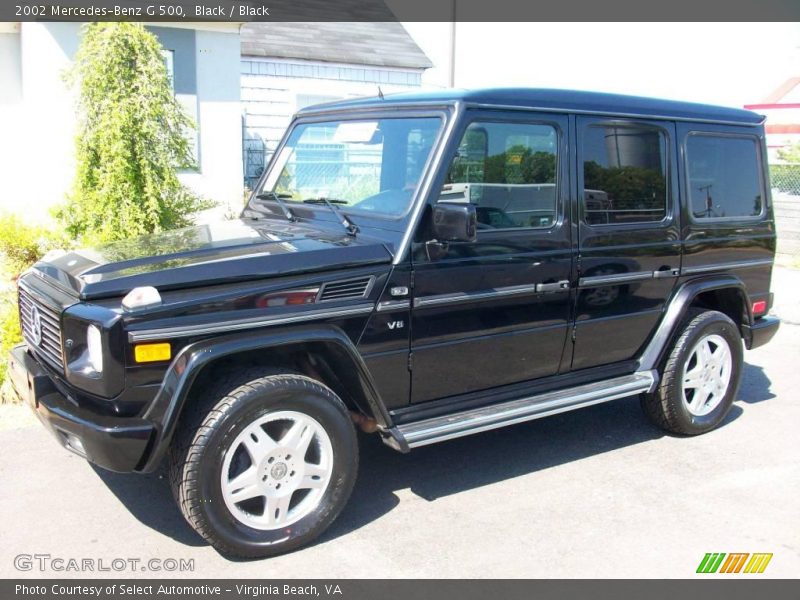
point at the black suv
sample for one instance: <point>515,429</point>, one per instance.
<point>423,266</point>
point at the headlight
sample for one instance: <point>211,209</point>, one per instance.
<point>94,348</point>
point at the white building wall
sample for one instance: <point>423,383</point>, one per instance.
<point>37,144</point>
<point>10,111</point>
<point>274,89</point>
<point>10,64</point>
<point>219,119</point>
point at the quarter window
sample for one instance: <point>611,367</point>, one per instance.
<point>508,171</point>
<point>724,180</point>
<point>624,174</point>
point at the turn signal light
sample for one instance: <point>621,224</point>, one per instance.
<point>152,352</point>
<point>140,298</point>
<point>760,307</point>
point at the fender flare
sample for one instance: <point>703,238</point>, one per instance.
<point>676,308</point>
<point>165,410</point>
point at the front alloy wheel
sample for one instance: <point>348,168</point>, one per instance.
<point>277,470</point>
<point>262,465</point>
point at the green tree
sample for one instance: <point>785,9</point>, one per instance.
<point>790,154</point>
<point>131,140</point>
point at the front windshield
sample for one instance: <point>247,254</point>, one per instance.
<point>372,165</point>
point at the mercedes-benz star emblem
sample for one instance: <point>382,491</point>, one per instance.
<point>36,326</point>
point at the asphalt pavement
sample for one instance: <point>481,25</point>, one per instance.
<point>593,493</point>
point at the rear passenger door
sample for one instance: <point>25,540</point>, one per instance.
<point>628,235</point>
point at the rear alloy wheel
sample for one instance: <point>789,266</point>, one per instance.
<point>701,375</point>
<point>707,375</point>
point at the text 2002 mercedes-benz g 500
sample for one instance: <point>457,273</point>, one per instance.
<point>425,266</point>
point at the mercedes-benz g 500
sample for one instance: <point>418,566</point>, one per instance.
<point>422,266</point>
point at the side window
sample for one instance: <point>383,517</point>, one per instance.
<point>508,171</point>
<point>724,177</point>
<point>624,174</point>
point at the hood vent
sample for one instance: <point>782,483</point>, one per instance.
<point>346,289</point>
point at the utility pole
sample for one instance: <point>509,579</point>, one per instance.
<point>453,47</point>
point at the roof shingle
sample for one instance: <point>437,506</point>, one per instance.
<point>382,44</point>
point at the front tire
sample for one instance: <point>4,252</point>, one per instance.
<point>701,376</point>
<point>264,466</point>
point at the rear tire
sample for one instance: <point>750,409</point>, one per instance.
<point>263,465</point>
<point>701,375</point>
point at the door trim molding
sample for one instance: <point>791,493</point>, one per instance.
<point>478,296</point>
<point>614,279</point>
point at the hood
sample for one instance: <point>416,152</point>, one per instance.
<point>209,254</point>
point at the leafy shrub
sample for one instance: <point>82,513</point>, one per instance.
<point>10,333</point>
<point>22,245</point>
<point>131,139</point>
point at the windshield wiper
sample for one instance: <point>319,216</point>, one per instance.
<point>347,222</point>
<point>287,212</point>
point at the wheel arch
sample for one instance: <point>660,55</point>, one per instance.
<point>329,356</point>
<point>724,293</point>
<point>731,301</point>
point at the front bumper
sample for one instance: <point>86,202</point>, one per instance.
<point>114,443</point>
<point>760,332</point>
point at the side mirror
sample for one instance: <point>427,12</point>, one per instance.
<point>455,222</point>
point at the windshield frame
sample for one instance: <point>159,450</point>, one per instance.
<point>363,217</point>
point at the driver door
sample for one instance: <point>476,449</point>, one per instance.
<point>496,311</point>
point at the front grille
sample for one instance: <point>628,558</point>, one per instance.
<point>344,290</point>
<point>49,348</point>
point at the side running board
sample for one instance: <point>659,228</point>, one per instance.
<point>447,427</point>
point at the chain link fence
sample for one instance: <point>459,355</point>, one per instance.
<point>785,182</point>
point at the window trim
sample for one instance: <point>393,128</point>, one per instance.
<point>759,166</point>
<point>669,205</point>
<point>516,119</point>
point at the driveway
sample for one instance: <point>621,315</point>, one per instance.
<point>593,493</point>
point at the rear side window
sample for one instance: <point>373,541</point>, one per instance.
<point>624,174</point>
<point>508,172</point>
<point>724,179</point>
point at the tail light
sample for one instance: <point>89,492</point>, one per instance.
<point>759,308</point>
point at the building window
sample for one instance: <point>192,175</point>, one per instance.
<point>169,63</point>
<point>508,171</point>
<point>724,179</point>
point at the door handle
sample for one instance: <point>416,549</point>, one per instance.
<point>662,273</point>
<point>558,286</point>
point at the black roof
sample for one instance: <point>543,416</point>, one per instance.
<point>566,100</point>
